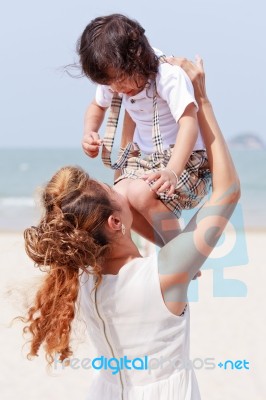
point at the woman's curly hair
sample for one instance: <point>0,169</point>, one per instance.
<point>69,240</point>
<point>117,42</point>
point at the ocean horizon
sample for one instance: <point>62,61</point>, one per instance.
<point>25,170</point>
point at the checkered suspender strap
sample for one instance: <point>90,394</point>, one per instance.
<point>108,140</point>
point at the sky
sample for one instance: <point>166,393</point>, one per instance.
<point>41,106</point>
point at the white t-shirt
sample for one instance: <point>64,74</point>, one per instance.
<point>175,93</point>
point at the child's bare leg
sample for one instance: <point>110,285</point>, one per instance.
<point>147,207</point>
<point>146,202</point>
<point>141,226</point>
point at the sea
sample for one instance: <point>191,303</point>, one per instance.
<point>24,171</point>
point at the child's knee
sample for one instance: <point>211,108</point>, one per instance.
<point>140,196</point>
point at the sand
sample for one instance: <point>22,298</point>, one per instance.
<point>222,328</point>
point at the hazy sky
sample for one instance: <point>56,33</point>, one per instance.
<point>40,106</point>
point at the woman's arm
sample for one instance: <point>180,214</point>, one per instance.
<point>180,259</point>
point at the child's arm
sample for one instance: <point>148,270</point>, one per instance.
<point>185,141</point>
<point>187,136</point>
<point>91,141</point>
<point>128,130</point>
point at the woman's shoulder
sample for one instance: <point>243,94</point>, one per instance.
<point>132,267</point>
<point>138,264</point>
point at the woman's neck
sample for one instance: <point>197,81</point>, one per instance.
<point>121,254</point>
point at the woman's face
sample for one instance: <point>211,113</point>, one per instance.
<point>120,199</point>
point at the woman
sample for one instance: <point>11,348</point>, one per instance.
<point>136,308</point>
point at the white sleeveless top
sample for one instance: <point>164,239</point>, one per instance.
<point>127,319</point>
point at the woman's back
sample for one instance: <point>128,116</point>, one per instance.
<point>127,319</point>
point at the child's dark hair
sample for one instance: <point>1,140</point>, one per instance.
<point>116,42</point>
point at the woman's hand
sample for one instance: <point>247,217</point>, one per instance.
<point>196,73</point>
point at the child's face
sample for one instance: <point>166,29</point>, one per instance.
<point>129,85</point>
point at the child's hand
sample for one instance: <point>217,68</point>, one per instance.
<point>91,144</point>
<point>165,181</point>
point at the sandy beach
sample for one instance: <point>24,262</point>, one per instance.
<point>222,328</point>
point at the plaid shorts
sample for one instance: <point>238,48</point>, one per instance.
<point>193,184</point>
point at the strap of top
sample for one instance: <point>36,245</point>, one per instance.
<point>156,133</point>
<point>109,136</point>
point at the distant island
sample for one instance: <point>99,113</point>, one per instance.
<point>247,141</point>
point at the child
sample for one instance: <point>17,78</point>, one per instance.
<point>159,98</point>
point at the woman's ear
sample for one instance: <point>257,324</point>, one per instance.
<point>114,222</point>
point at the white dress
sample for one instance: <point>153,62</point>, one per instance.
<point>127,317</point>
